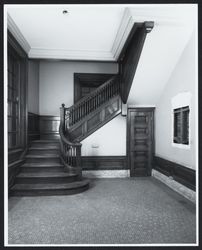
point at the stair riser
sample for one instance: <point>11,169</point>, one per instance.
<point>43,160</point>
<point>45,180</point>
<point>43,152</point>
<point>41,169</point>
<point>49,192</point>
<point>45,144</point>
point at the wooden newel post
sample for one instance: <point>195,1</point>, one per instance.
<point>62,116</point>
<point>78,160</point>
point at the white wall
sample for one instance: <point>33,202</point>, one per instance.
<point>108,140</point>
<point>182,80</point>
<point>56,80</point>
<point>33,86</point>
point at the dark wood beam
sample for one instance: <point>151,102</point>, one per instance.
<point>130,55</point>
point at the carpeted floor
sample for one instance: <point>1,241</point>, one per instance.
<point>112,211</point>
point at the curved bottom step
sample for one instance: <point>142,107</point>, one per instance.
<point>49,189</point>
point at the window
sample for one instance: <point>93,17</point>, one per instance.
<point>13,101</point>
<point>181,125</point>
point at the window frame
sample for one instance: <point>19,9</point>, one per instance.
<point>181,137</point>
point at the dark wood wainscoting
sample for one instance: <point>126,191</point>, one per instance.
<point>13,170</point>
<point>104,163</point>
<point>179,173</point>
<point>33,127</point>
<point>49,127</point>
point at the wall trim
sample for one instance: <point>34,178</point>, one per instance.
<point>106,173</point>
<point>57,53</point>
<point>176,186</point>
<point>180,173</point>
<point>95,163</point>
<point>13,28</point>
<point>122,34</point>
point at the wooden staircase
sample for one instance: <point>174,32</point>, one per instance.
<point>53,167</point>
<point>44,174</point>
<point>93,111</point>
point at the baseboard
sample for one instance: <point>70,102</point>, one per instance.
<point>104,163</point>
<point>176,186</point>
<point>179,173</point>
<point>106,173</point>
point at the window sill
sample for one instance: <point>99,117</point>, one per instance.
<point>181,146</point>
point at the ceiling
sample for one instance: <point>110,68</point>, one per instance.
<point>98,32</point>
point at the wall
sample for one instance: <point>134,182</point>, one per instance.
<point>108,140</point>
<point>56,81</point>
<point>182,80</point>
<point>33,86</point>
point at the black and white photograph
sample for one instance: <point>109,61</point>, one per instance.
<point>101,125</point>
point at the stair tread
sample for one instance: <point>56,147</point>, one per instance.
<point>51,140</point>
<point>53,186</point>
<point>39,164</point>
<point>44,174</point>
<point>44,148</point>
<point>42,155</point>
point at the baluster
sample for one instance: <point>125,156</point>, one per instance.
<point>71,155</point>
<point>78,107</point>
<point>85,108</point>
<point>74,156</point>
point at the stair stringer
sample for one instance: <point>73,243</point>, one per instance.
<point>96,119</point>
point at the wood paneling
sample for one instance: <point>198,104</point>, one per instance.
<point>13,170</point>
<point>96,119</point>
<point>140,140</point>
<point>180,173</point>
<point>17,103</point>
<point>130,55</point>
<point>49,127</point>
<point>33,127</point>
<point>104,162</point>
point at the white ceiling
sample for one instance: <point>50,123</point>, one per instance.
<point>98,32</point>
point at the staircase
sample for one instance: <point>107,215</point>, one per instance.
<point>53,167</point>
<point>44,174</point>
<point>93,111</point>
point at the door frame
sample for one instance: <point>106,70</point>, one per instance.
<point>128,120</point>
<point>95,79</point>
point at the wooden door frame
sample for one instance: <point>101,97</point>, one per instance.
<point>87,77</point>
<point>144,109</point>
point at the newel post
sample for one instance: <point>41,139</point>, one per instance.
<point>62,116</point>
<point>78,160</point>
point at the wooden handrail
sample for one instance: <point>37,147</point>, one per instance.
<point>92,101</point>
<point>94,92</point>
<point>70,151</point>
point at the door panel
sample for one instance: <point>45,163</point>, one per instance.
<point>140,141</point>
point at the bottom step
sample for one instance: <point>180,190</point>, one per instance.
<point>49,189</point>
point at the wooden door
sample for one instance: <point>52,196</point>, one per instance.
<point>140,141</point>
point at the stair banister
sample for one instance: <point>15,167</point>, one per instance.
<point>90,102</point>
<point>70,151</point>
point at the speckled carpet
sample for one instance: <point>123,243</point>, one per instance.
<point>112,211</point>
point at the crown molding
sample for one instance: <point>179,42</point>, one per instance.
<point>15,31</point>
<point>122,34</point>
<point>70,54</point>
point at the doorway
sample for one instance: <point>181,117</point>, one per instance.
<point>140,141</point>
<point>84,83</point>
